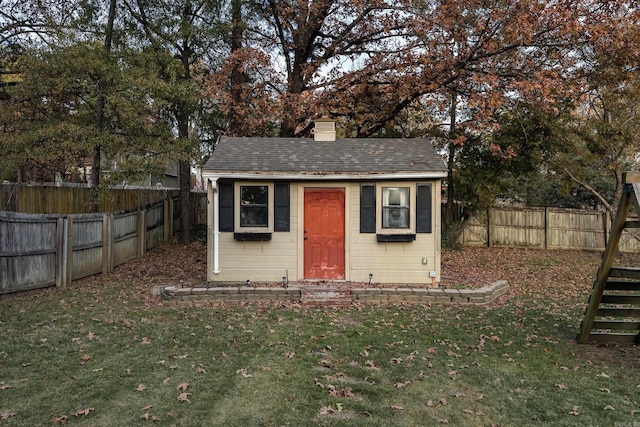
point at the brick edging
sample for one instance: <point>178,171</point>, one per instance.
<point>437,296</point>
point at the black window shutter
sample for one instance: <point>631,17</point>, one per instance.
<point>423,209</point>
<point>225,210</point>
<point>281,211</point>
<point>367,208</point>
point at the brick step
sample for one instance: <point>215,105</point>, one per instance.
<point>325,296</point>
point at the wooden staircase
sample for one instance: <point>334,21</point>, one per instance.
<point>613,310</point>
<point>618,312</point>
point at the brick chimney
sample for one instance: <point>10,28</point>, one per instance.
<point>325,129</point>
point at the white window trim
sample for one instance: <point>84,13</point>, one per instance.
<point>412,207</point>
<point>270,207</point>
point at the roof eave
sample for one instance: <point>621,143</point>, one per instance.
<point>322,176</point>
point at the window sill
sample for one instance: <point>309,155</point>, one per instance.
<point>252,237</point>
<point>396,237</point>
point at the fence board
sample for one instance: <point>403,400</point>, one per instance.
<point>155,225</point>
<point>517,227</point>
<point>550,228</point>
<point>125,237</point>
<point>475,231</point>
<point>39,250</point>
<point>75,199</point>
<point>576,229</point>
<point>87,245</point>
<point>27,252</point>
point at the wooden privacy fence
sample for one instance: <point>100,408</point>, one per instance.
<point>68,198</point>
<point>546,228</point>
<point>39,250</point>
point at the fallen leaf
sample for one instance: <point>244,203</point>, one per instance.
<point>147,416</point>
<point>145,341</point>
<point>402,385</point>
<point>182,387</point>
<point>371,364</point>
<point>83,412</point>
<point>605,390</point>
<point>442,421</point>
<point>58,421</point>
<point>396,407</point>
<point>561,386</point>
<point>91,336</point>
<point>141,387</point>
<point>184,397</point>
<point>442,401</point>
<point>608,408</point>
<point>574,410</point>
<point>430,403</point>
<point>146,408</point>
<point>6,415</point>
<point>201,371</point>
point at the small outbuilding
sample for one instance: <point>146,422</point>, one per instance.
<point>324,209</point>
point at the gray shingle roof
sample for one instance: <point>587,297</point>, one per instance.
<point>359,156</point>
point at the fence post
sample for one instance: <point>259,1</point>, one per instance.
<point>142,231</point>
<point>546,227</point>
<point>107,247</point>
<point>167,219</point>
<point>60,252</point>
<point>66,266</point>
<point>489,227</point>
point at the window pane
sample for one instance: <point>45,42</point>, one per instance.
<point>395,207</point>
<point>253,206</point>
<point>395,217</point>
<point>254,195</point>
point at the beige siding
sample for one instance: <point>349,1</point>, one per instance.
<point>260,261</point>
<point>394,262</point>
<point>269,261</point>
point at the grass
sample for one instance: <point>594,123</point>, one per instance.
<point>105,354</point>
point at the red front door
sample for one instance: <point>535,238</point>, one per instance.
<point>324,233</point>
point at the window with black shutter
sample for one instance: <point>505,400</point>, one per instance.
<point>282,210</point>
<point>424,220</point>
<point>367,208</point>
<point>225,208</point>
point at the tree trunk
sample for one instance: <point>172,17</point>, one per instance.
<point>96,169</point>
<point>449,216</point>
<point>184,166</point>
<point>238,77</point>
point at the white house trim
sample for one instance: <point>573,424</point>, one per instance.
<point>325,177</point>
<point>213,247</point>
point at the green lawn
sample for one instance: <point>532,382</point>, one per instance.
<point>102,353</point>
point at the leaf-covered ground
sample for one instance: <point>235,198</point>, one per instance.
<point>104,352</point>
